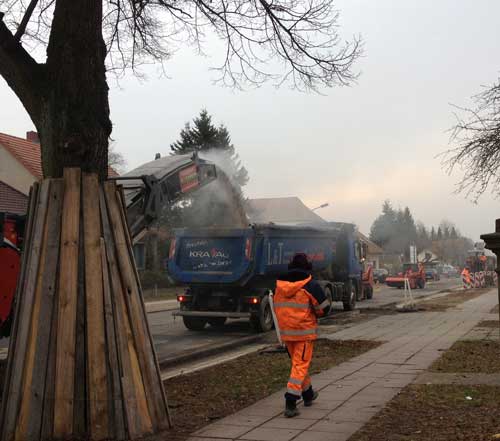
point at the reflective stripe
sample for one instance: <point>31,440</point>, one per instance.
<point>292,305</point>
<point>322,306</point>
<point>298,393</point>
<point>294,381</point>
<point>299,331</point>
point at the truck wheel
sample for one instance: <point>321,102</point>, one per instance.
<point>263,320</point>
<point>349,299</point>
<point>194,323</point>
<point>217,322</point>
<point>369,292</point>
<point>329,295</point>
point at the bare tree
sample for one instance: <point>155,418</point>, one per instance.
<point>477,139</point>
<point>66,92</point>
<point>116,160</point>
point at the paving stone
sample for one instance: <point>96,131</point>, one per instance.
<point>270,434</point>
<point>332,426</point>
<point>290,423</point>
<point>243,419</point>
<point>314,412</point>
<point>260,409</point>
<point>327,404</point>
<point>224,431</point>
<point>197,438</point>
<point>312,435</point>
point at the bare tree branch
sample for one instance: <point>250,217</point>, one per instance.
<point>26,18</point>
<point>22,73</point>
<point>477,138</point>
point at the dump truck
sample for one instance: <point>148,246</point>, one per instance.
<point>147,189</point>
<point>231,272</point>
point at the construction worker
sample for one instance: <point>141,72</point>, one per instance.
<point>298,301</point>
<point>466,279</point>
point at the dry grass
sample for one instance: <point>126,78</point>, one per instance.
<point>437,413</point>
<point>470,356</point>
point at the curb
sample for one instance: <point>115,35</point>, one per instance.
<point>185,357</point>
<point>161,306</point>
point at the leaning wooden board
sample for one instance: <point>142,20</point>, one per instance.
<point>82,362</point>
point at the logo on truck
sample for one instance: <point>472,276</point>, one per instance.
<point>213,253</point>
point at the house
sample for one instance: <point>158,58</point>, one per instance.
<point>283,211</point>
<point>20,167</point>
<point>373,251</point>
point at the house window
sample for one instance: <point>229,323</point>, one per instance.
<point>140,255</point>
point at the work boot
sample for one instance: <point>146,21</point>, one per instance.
<point>309,396</point>
<point>291,408</point>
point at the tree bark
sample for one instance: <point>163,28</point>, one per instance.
<point>75,125</point>
<point>67,97</point>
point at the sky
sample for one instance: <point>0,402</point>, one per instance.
<point>351,147</point>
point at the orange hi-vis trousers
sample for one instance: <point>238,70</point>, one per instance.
<point>301,353</point>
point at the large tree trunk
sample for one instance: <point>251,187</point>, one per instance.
<point>74,124</point>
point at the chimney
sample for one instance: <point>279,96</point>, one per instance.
<point>32,137</point>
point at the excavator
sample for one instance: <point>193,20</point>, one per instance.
<point>148,189</point>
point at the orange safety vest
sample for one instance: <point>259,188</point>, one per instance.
<point>466,274</point>
<point>297,310</point>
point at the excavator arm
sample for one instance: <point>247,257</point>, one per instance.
<point>156,184</point>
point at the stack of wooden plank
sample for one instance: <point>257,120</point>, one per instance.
<point>81,360</point>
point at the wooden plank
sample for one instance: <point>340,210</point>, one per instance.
<point>32,203</point>
<point>50,382</point>
<point>117,428</point>
<point>80,391</point>
<point>26,308</point>
<point>143,345</point>
<point>142,305</point>
<point>67,306</point>
<point>96,338</point>
<point>30,419</point>
<point>138,421</point>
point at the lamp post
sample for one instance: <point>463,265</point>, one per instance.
<point>492,242</point>
<point>326,204</point>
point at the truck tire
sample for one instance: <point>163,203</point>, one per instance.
<point>349,297</point>
<point>194,323</point>
<point>329,295</point>
<point>263,320</point>
<point>369,292</point>
<point>217,322</point>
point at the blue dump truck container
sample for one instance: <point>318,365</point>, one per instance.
<point>230,272</point>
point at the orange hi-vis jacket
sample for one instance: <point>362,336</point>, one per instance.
<point>298,301</point>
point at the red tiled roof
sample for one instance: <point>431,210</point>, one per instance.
<point>12,201</point>
<point>28,154</point>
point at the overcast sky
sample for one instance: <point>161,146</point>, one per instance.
<point>351,147</point>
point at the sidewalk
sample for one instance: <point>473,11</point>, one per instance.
<point>351,393</point>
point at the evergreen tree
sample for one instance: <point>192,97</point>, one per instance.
<point>453,233</point>
<point>382,228</point>
<point>215,143</point>
<point>433,234</point>
<point>439,234</point>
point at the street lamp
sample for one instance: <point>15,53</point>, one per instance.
<point>326,204</point>
<point>492,242</point>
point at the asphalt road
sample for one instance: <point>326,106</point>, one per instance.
<point>172,339</point>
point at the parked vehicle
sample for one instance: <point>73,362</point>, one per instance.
<point>413,271</point>
<point>230,272</point>
<point>11,238</point>
<point>432,274</point>
<point>380,274</point>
